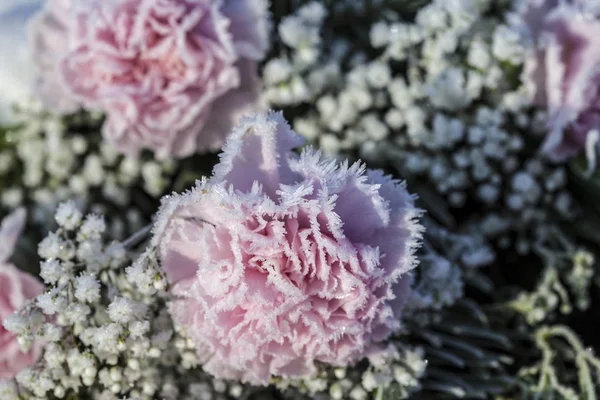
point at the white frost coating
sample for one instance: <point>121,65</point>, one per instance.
<point>281,260</point>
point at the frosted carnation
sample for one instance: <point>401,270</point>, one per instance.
<point>171,75</point>
<point>561,72</point>
<point>271,266</point>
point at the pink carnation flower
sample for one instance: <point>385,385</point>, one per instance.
<point>171,75</point>
<point>16,287</point>
<point>282,260</point>
<point>563,71</point>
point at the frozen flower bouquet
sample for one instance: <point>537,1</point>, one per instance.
<point>353,199</point>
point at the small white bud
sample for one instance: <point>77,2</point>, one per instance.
<point>68,216</point>
<point>134,364</point>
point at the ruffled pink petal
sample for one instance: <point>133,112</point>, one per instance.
<point>256,151</point>
<point>12,359</point>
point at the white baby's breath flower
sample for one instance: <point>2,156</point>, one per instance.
<point>298,33</point>
<point>8,390</point>
<point>27,378</point>
<point>92,252</point>
<point>123,310</point>
<point>507,44</point>
<point>106,337</point>
<point>313,12</point>
<point>51,270</point>
<point>447,90</point>
<point>137,329</point>
<point>154,183</point>
<point>54,247</point>
<point>92,228</point>
<point>116,253</point>
<point>17,324</point>
<point>68,215</point>
<point>80,363</point>
<point>12,197</point>
<point>380,34</point>
<point>87,289</point>
<point>93,170</point>
<point>51,333</point>
<point>479,55</point>
<point>379,75</point>
<point>77,313</point>
<point>52,301</point>
<point>277,70</point>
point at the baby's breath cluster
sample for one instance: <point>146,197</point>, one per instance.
<point>437,97</point>
<point>392,372</point>
<point>449,261</point>
<point>107,332</point>
<point>48,159</point>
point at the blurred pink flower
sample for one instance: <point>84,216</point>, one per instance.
<point>563,71</point>
<point>282,260</point>
<point>16,287</point>
<point>169,74</point>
